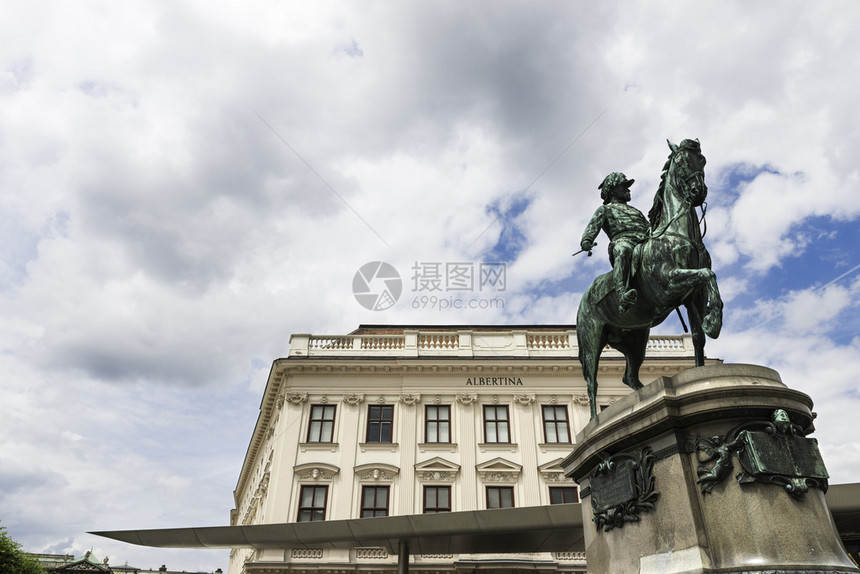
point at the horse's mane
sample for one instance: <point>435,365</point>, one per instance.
<point>656,212</point>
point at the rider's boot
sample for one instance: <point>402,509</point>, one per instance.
<point>628,300</point>
<point>621,274</point>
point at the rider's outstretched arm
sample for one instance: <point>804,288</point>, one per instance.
<point>593,228</point>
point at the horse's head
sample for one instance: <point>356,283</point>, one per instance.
<point>686,171</point>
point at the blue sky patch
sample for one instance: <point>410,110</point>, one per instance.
<point>512,239</point>
<point>724,189</point>
<point>575,282</point>
<point>826,256</point>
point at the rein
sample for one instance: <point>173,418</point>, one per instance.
<point>653,235</point>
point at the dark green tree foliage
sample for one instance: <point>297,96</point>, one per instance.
<point>13,560</point>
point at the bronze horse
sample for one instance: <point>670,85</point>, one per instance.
<point>671,268</point>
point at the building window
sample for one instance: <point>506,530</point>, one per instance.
<point>437,499</point>
<point>312,500</point>
<point>437,427</point>
<point>496,424</point>
<point>563,494</point>
<point>374,501</point>
<point>380,421</point>
<point>555,425</point>
<point>321,427</point>
<point>500,497</point>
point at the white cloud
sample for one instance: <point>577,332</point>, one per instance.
<point>160,241</point>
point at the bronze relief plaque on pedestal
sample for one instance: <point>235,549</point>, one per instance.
<point>778,453</point>
<point>621,487</point>
<point>789,455</point>
<point>612,488</point>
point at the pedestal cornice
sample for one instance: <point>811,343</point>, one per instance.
<point>714,392</point>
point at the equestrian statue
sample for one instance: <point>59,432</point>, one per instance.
<point>658,264</point>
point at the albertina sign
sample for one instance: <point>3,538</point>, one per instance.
<point>490,381</point>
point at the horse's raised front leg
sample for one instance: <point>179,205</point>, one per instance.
<point>682,282</point>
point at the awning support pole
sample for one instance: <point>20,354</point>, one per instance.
<point>403,558</point>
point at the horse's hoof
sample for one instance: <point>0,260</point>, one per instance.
<point>635,384</point>
<point>713,323</point>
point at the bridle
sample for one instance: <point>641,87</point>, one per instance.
<point>690,180</point>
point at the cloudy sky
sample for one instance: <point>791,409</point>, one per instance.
<point>185,184</point>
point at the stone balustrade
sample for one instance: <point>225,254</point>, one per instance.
<point>469,343</point>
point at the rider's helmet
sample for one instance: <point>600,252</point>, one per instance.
<point>610,182</point>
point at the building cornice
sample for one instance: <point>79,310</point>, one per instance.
<point>397,367</point>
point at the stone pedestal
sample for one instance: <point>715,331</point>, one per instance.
<point>649,439</point>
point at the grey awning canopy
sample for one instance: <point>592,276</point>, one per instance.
<point>556,528</point>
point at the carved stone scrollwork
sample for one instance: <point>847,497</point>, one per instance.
<point>353,399</point>
<point>524,400</point>
<point>556,477</point>
<point>437,476</point>
<point>621,487</point>
<point>467,400</point>
<point>774,452</point>
<point>581,400</point>
<point>315,474</point>
<point>296,398</point>
<point>410,400</point>
<point>500,477</point>
<point>262,486</point>
<point>376,474</point>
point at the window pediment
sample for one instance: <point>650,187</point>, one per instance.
<point>437,469</point>
<point>315,471</point>
<point>499,470</point>
<point>382,472</point>
<point>553,472</point>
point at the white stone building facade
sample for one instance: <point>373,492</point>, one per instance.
<point>393,420</point>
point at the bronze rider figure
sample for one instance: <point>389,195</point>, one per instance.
<point>625,225</point>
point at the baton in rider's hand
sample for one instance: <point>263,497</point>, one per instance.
<point>593,245</point>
